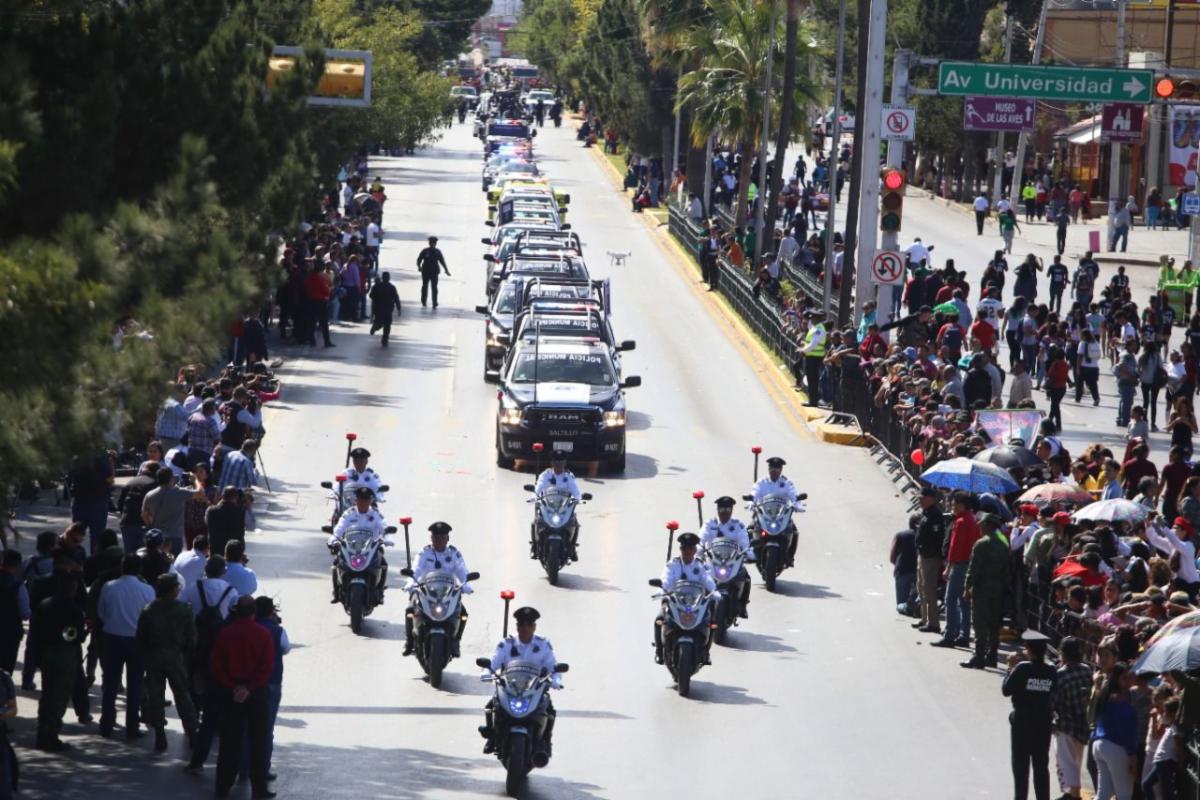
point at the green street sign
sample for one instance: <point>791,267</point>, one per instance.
<point>1045,83</point>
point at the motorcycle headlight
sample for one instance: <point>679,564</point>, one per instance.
<point>358,561</point>
<point>518,705</point>
<point>438,612</point>
<point>687,618</point>
<point>614,419</point>
<point>556,519</point>
<point>723,572</point>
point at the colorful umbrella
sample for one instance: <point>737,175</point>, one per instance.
<point>1115,510</point>
<point>1009,456</point>
<point>1189,620</point>
<point>1046,493</point>
<point>973,476</point>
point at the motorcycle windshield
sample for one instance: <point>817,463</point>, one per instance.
<point>775,513</point>
<point>556,507</point>
<point>438,586</point>
<point>722,550</point>
<point>520,676</point>
<point>357,541</point>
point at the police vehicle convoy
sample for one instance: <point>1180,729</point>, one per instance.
<point>551,346</point>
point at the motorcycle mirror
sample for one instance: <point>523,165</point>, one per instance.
<point>627,345</point>
<point>390,529</point>
<point>747,497</point>
<point>326,484</point>
<point>326,529</point>
<point>561,667</point>
<point>486,663</point>
<point>406,572</point>
<point>656,583</point>
<point>528,487</point>
<point>472,576</point>
<point>586,496</point>
<point>802,496</point>
<point>383,487</point>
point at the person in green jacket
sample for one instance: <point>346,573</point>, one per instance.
<point>167,634</point>
<point>987,579</point>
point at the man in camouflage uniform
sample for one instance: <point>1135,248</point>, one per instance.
<point>987,578</point>
<point>167,635</point>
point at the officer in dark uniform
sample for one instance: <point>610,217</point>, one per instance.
<point>384,298</point>
<point>429,261</point>
<point>58,622</point>
<point>1029,683</point>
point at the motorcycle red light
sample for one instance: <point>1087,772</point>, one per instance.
<point>756,449</point>
<point>764,534</point>
<point>698,494</point>
<point>340,477</point>
<point>507,594</point>
<point>538,447</point>
<point>672,525</point>
<point>406,520</point>
<point>350,437</point>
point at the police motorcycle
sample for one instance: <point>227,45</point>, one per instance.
<point>554,528</point>
<point>771,533</point>
<point>436,615</point>
<point>724,558</point>
<point>342,495</point>
<point>358,559</point>
<point>685,624</point>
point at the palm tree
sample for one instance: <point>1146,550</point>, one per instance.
<point>789,102</point>
<point>724,92</point>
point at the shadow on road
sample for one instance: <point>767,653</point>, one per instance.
<point>809,590</point>
<point>757,642</point>
<point>585,583</point>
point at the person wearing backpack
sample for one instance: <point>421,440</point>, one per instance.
<point>211,600</point>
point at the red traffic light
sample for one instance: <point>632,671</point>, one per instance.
<point>672,525</point>
<point>507,594</point>
<point>340,477</point>
<point>406,520</point>
<point>756,449</point>
<point>1164,87</point>
<point>350,437</point>
<point>538,447</point>
<point>698,494</point>
<point>893,180</point>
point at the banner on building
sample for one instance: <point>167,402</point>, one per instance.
<point>1185,134</point>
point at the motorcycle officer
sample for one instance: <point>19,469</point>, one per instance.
<point>558,476</point>
<point>361,516</point>
<point>361,474</point>
<point>725,526</point>
<point>684,567</point>
<point>525,646</point>
<point>439,554</point>
<point>775,483</point>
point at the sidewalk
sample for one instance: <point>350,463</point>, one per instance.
<point>1145,246</point>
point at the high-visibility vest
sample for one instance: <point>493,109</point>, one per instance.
<point>819,350</point>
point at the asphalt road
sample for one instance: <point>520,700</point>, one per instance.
<point>823,691</point>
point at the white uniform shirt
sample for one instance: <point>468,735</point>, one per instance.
<point>767,486</point>
<point>734,529</point>
<point>696,572</point>
<point>537,651</point>
<point>564,480</point>
<point>449,560</point>
<point>917,252</point>
<point>368,477</point>
<point>353,519</point>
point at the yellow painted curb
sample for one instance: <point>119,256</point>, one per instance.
<point>774,376</point>
<point>841,434</point>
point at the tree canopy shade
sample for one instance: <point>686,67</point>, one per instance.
<point>147,176</point>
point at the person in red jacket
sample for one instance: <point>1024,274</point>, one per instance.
<point>317,291</point>
<point>963,535</point>
<point>243,658</point>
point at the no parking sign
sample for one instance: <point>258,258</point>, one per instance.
<point>888,268</point>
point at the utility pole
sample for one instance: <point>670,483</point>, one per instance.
<point>1164,155</point>
<point>836,134</point>
<point>1019,169</point>
<point>998,153</point>
<point>678,122</point>
<point>890,240</point>
<point>871,107</point>
<point>1114,157</point>
<point>708,155</point>
<point>766,134</point>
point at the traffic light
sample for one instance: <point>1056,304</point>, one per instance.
<point>1175,90</point>
<point>891,200</point>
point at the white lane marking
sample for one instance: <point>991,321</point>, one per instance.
<point>450,373</point>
